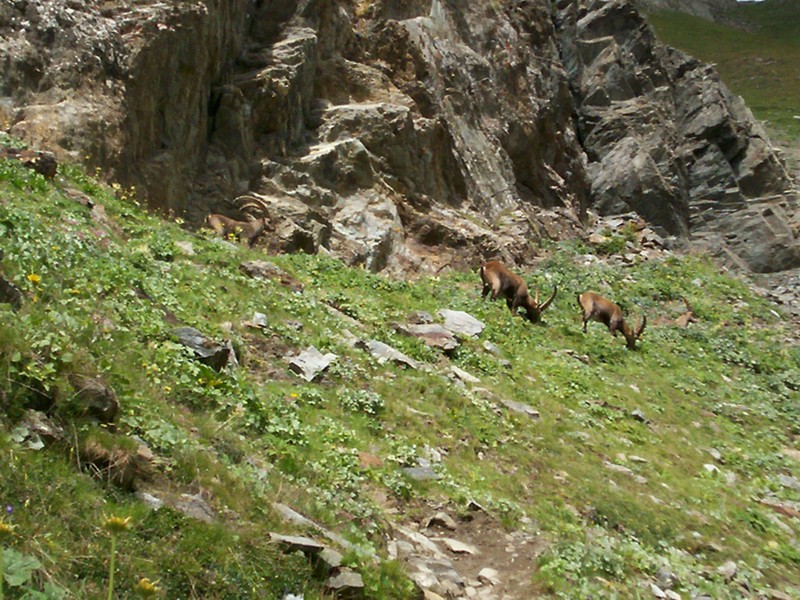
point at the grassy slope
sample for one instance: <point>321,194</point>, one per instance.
<point>759,64</point>
<point>246,439</point>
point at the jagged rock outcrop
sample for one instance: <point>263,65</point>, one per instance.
<point>405,136</point>
<point>666,138</point>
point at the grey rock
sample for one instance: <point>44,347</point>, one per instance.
<point>521,408</point>
<point>420,317</point>
<point>442,519</point>
<point>331,558</point>
<point>150,500</point>
<point>311,363</point>
<point>292,543</point>
<point>728,570</point>
<point>457,546</point>
<point>346,584</point>
<point>463,375</point>
<point>263,269</point>
<point>195,507</point>
<point>185,247</point>
<point>421,473</point>
<point>385,353</point>
<point>790,482</point>
<point>215,355</point>
<point>432,334</point>
<point>461,323</point>
<point>94,398</point>
<point>489,575</point>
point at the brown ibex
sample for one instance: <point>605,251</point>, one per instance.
<point>248,230</point>
<point>603,310</point>
<point>502,282</point>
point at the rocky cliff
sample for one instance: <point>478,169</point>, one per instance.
<point>401,135</point>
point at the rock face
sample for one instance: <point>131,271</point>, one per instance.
<point>665,138</point>
<point>400,136</point>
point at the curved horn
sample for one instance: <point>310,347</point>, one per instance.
<point>640,330</point>
<point>549,300</point>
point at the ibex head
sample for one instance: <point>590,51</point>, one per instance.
<point>597,308</point>
<point>501,281</point>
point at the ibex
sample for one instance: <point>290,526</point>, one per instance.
<point>603,310</point>
<point>500,281</point>
<point>248,230</point>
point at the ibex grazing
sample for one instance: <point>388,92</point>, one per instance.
<point>500,281</point>
<point>248,230</point>
<point>603,310</point>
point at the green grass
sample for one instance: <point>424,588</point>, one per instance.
<point>97,307</point>
<point>758,61</point>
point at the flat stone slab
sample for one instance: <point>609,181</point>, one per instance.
<point>311,362</point>
<point>297,542</point>
<point>463,375</point>
<point>432,334</point>
<point>421,473</point>
<point>385,353</point>
<point>208,352</point>
<point>461,323</point>
<point>521,408</point>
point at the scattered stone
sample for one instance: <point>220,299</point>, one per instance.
<point>293,543</point>
<point>489,575</point>
<point>639,416</point>
<point>331,558</point>
<point>95,399</point>
<point>385,353</point>
<point>432,334</point>
<point>421,541</point>
<point>195,507</point>
<point>259,321</point>
<point>442,519</point>
<point>461,323</point>
<point>346,584</point>
<point>420,317</point>
<point>310,363</point>
<point>491,348</point>
<point>421,473</point>
<point>521,408</point>
<point>672,595</point>
<point>791,453</point>
<point>458,547</point>
<point>728,570</point>
<point>657,591</point>
<point>789,482</point>
<point>215,355</point>
<point>789,509</point>
<point>716,455</point>
<point>263,269</point>
<point>429,595</point>
<point>35,430</point>
<point>711,468</point>
<point>150,500</point>
<point>463,375</point>
<point>186,247</point>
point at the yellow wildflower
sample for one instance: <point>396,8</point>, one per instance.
<point>34,278</point>
<point>116,524</point>
<point>6,531</point>
<point>146,588</point>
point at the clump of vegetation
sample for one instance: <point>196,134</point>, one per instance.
<point>101,299</point>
